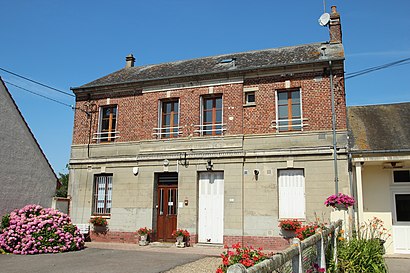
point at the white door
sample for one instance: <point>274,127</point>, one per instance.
<point>211,207</point>
<point>291,194</point>
<point>401,221</point>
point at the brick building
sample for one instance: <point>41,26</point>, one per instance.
<point>222,146</point>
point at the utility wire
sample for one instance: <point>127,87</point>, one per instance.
<point>375,68</point>
<point>36,82</point>
<point>37,94</point>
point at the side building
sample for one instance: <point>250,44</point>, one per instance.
<point>380,152</point>
<point>223,146</point>
<point>26,175</point>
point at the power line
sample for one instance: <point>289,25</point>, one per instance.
<point>379,67</point>
<point>37,94</point>
<point>36,82</point>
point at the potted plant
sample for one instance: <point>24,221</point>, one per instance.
<point>340,201</point>
<point>181,236</point>
<point>289,227</point>
<point>144,232</point>
<point>100,224</point>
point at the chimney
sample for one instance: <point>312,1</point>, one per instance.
<point>335,28</point>
<point>129,61</point>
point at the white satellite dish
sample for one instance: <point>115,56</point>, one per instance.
<point>324,19</point>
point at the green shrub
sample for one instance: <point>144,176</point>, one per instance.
<point>359,255</point>
<point>5,222</point>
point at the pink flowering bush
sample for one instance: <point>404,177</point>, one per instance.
<point>339,199</point>
<point>34,229</point>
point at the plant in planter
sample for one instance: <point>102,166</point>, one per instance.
<point>308,230</point>
<point>289,227</point>
<point>248,256</point>
<point>182,237</point>
<point>340,201</point>
<point>100,224</point>
<point>144,233</point>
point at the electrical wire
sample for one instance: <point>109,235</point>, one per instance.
<point>375,68</point>
<point>36,82</point>
<point>37,94</point>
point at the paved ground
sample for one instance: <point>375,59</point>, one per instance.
<point>97,260</point>
<point>398,263</point>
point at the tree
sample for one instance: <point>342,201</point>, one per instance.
<point>62,187</point>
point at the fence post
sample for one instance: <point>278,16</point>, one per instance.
<point>320,250</point>
<point>297,265</point>
<point>236,268</point>
<point>335,233</point>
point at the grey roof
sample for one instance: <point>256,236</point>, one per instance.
<point>379,127</point>
<point>250,60</point>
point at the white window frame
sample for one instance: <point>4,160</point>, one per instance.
<point>302,124</point>
<point>158,131</point>
<point>397,191</point>
<point>399,183</point>
<point>107,194</point>
<point>201,118</point>
<point>116,132</point>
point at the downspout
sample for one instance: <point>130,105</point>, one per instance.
<point>334,130</point>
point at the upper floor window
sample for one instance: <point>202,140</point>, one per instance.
<point>169,119</point>
<point>401,176</point>
<point>107,124</point>
<point>211,116</point>
<point>289,114</point>
<point>102,196</point>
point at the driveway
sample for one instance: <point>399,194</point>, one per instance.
<point>96,260</point>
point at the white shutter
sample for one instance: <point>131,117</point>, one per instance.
<point>401,239</point>
<point>291,194</point>
<point>211,207</point>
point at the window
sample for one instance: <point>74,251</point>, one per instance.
<point>401,176</point>
<point>250,97</point>
<point>212,116</point>
<point>291,194</point>
<point>289,115</point>
<point>169,119</point>
<point>102,197</point>
<point>108,124</point>
<point>402,206</point>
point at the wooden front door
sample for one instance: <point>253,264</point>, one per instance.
<point>167,208</point>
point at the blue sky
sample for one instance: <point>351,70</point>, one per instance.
<point>69,43</point>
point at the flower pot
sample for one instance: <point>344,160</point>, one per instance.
<point>180,241</point>
<point>288,233</point>
<point>100,229</point>
<point>340,207</point>
<point>143,240</point>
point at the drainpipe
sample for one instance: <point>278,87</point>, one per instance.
<point>334,130</point>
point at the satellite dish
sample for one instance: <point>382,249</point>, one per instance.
<point>324,19</point>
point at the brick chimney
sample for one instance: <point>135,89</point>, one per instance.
<point>129,61</point>
<point>335,27</point>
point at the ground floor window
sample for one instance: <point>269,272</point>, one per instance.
<point>402,207</point>
<point>102,196</point>
<point>291,184</point>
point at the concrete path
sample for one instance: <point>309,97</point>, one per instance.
<point>398,263</point>
<point>97,260</point>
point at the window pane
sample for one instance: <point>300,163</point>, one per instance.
<point>106,112</point>
<point>403,207</point>
<point>104,125</point>
<point>218,103</point>
<point>250,97</point>
<point>208,104</point>
<point>295,97</point>
<point>219,116</point>
<point>283,126</point>
<point>282,97</point>
<point>167,119</point>
<point>295,111</point>
<point>114,111</point>
<point>208,116</point>
<point>401,176</point>
<point>175,120</point>
<point>283,112</point>
<point>176,106</point>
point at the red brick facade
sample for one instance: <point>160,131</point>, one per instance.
<point>138,112</point>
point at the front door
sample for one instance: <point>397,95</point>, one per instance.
<point>211,207</point>
<point>167,207</point>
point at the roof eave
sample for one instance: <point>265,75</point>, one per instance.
<point>81,88</point>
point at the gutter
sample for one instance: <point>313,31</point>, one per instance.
<point>379,151</point>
